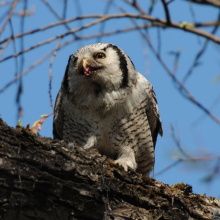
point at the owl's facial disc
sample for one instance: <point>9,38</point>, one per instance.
<point>88,69</point>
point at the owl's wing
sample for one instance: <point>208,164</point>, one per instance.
<point>152,111</point>
<point>155,124</point>
<point>58,119</point>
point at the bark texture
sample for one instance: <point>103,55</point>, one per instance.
<point>41,179</point>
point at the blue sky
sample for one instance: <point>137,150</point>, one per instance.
<point>198,139</point>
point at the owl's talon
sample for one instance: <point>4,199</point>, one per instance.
<point>126,164</point>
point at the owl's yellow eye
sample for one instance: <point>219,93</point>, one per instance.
<point>100,56</point>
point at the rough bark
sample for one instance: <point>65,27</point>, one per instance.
<point>41,178</point>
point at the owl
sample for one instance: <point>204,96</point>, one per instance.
<point>104,103</point>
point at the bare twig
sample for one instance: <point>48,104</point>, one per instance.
<point>4,3</point>
<point>22,31</point>
<point>177,142</point>
<point>80,38</point>
<point>102,27</point>
<point>193,159</point>
<point>32,66</point>
<point>151,6</point>
<point>199,54</point>
<point>50,72</point>
<point>136,6</point>
<point>57,16</point>
<point>20,87</point>
<point>166,12</point>
<point>155,22</point>
<point>9,15</point>
<point>4,47</point>
<point>193,16</point>
<point>4,15</point>
<point>15,51</point>
<point>181,87</point>
<point>167,168</point>
<point>176,60</point>
<point>158,41</point>
<point>180,160</point>
<point>214,173</point>
<point>199,119</point>
<point>64,9</point>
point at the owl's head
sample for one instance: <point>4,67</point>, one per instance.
<point>99,67</point>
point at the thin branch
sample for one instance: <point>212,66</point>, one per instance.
<point>50,72</point>
<point>64,9</point>
<point>199,119</point>
<point>9,16</point>
<point>181,87</point>
<point>166,12</point>
<point>193,17</point>
<point>180,160</point>
<point>4,3</point>
<point>102,27</point>
<point>167,168</point>
<point>20,86</point>
<point>136,6</point>
<point>155,22</point>
<point>57,16</point>
<point>177,142</point>
<point>80,38</point>
<point>158,41</point>
<point>199,54</point>
<point>214,173</point>
<point>151,6</point>
<point>22,38</point>
<point>193,159</point>
<point>4,47</point>
<point>4,15</point>
<point>33,65</point>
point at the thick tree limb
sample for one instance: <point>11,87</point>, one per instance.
<point>41,178</point>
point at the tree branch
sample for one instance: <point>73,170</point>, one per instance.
<point>181,87</point>
<point>188,27</point>
<point>41,178</point>
<point>215,3</point>
<point>166,12</point>
<point>9,15</point>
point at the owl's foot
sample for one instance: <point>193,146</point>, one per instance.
<point>127,159</point>
<point>71,145</point>
<point>126,164</point>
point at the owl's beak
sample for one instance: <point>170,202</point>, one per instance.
<point>88,69</point>
<point>84,63</point>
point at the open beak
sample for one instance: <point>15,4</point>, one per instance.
<point>88,69</point>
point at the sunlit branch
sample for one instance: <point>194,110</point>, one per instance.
<point>154,22</point>
<point>9,15</point>
<point>80,38</point>
<point>33,65</point>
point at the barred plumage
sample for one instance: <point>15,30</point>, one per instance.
<point>105,103</point>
